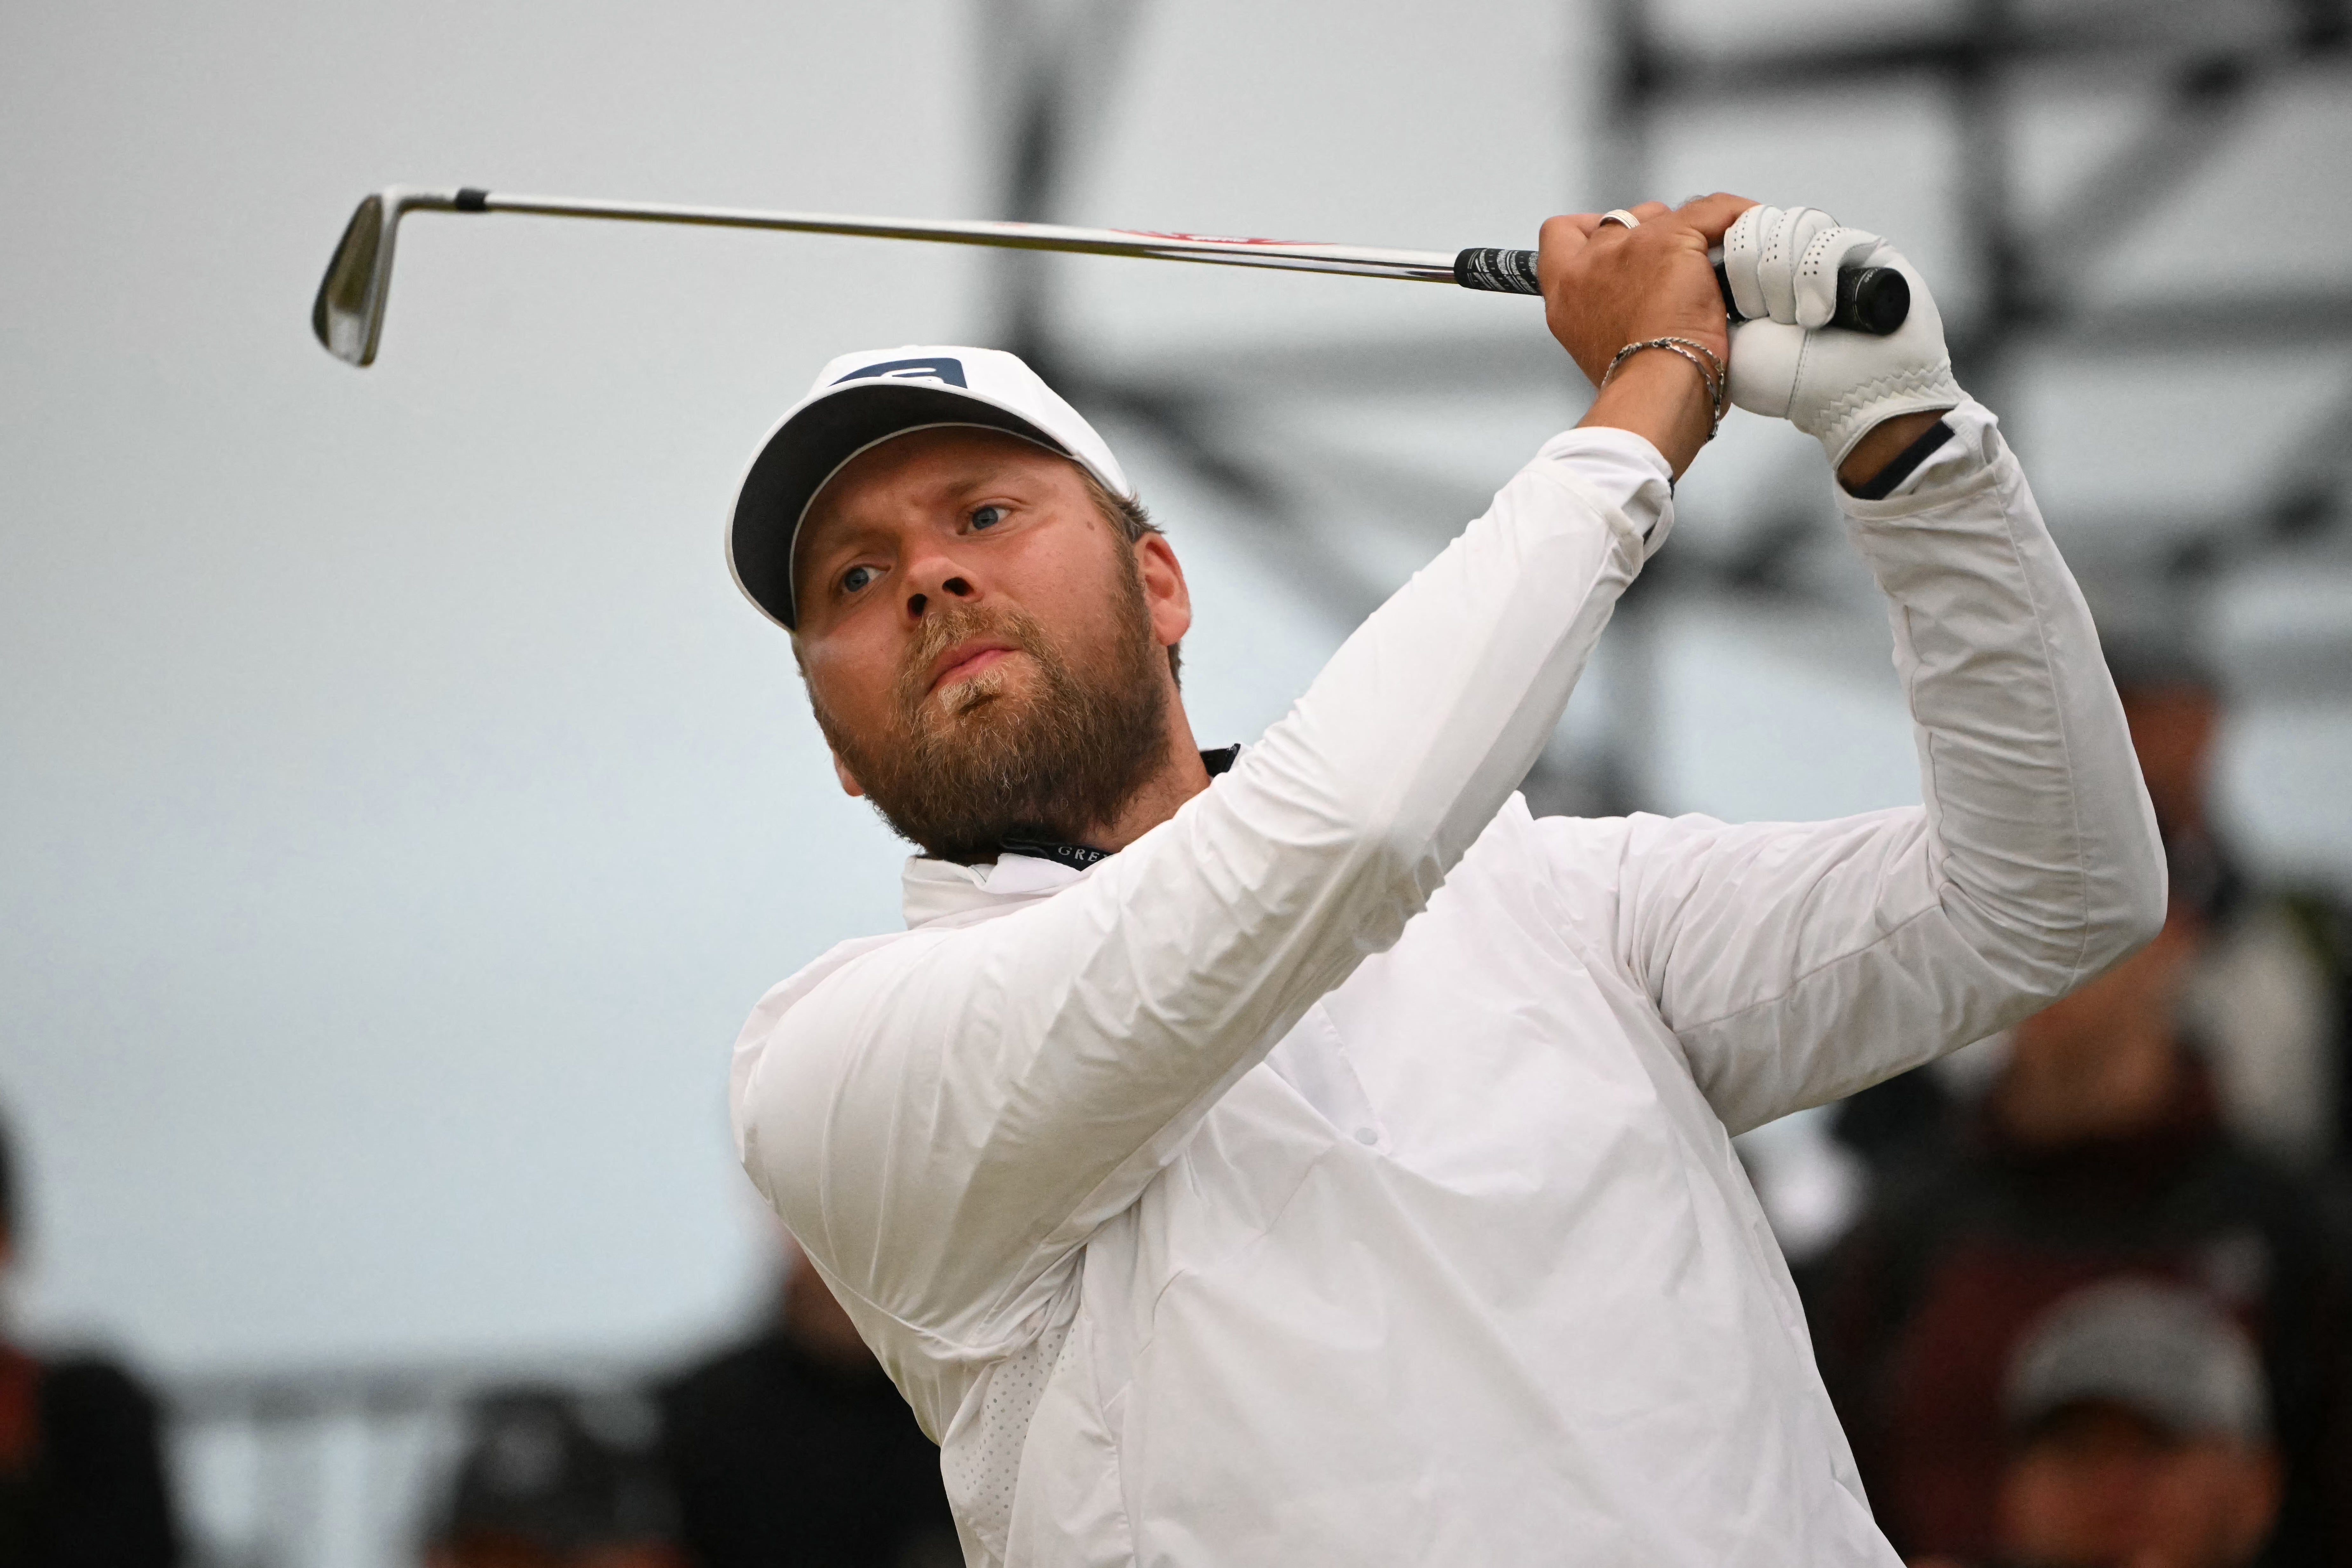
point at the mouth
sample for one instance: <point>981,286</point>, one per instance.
<point>968,659</point>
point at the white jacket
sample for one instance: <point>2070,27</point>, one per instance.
<point>1342,1174</point>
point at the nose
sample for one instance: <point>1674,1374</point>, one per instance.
<point>936,577</point>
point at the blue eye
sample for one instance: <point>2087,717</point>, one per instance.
<point>987,516</point>
<point>856,577</point>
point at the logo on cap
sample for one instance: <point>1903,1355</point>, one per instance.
<point>949,371</point>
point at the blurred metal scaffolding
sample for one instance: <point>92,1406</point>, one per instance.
<point>2201,65</point>
<point>2204,64</point>
<point>337,1466</point>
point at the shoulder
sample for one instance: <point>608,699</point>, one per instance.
<point>800,1005</point>
<point>859,953</point>
<point>829,1059</point>
<point>950,969</point>
<point>1612,852</point>
<point>1561,870</point>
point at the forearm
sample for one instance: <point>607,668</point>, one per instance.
<point>1885,443</point>
<point>1661,397</point>
<point>1799,962</point>
<point>2041,835</point>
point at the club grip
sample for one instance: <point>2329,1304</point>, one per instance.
<point>1497,271</point>
<point>1874,299</point>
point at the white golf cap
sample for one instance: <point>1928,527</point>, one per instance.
<point>862,399</point>
<point>2160,1349</point>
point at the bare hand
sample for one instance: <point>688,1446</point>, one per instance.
<point>1606,286</point>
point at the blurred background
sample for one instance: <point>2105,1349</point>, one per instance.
<point>400,811</point>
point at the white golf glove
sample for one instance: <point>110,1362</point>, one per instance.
<point>1834,386</point>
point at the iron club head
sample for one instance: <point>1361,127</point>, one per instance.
<point>348,315</point>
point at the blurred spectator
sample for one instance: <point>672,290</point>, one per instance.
<point>539,1487</point>
<point>81,1470</point>
<point>2098,1152</point>
<point>2267,1003</point>
<point>794,1451</point>
<point>2140,1436</point>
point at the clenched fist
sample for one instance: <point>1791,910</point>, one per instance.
<point>1606,286</point>
<point>1836,387</point>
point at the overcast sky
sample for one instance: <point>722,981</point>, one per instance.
<point>399,811</point>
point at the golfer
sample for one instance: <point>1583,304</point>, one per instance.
<point>1304,1155</point>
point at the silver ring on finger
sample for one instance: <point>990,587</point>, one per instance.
<point>1621,216</point>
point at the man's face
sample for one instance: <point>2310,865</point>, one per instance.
<point>2101,1487</point>
<point>984,649</point>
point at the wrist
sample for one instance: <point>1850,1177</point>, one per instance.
<point>1661,397</point>
<point>1882,445</point>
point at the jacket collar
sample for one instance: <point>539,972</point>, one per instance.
<point>942,892</point>
<point>937,892</point>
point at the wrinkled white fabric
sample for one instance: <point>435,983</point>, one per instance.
<point>1342,1174</point>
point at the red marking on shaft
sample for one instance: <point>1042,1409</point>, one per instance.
<point>1211,238</point>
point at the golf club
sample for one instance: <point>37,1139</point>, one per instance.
<point>348,315</point>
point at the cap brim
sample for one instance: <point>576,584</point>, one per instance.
<point>809,447</point>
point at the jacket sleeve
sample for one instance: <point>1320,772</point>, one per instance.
<point>944,1119</point>
<point>1799,962</point>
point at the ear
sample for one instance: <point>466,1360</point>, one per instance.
<point>849,784</point>
<point>1164,592</point>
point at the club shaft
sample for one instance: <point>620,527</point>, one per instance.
<point>1870,300</point>
<point>1414,266</point>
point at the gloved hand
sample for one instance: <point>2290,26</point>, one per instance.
<point>1834,386</point>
